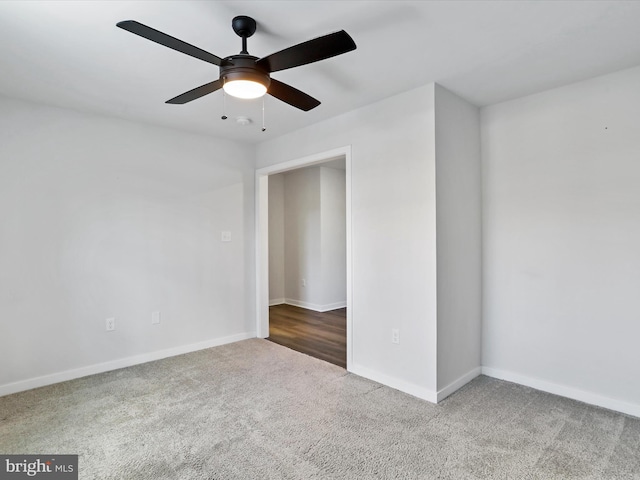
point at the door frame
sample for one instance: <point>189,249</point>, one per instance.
<point>262,235</point>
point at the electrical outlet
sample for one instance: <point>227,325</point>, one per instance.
<point>110,324</point>
<point>304,282</point>
<point>155,318</point>
<point>225,237</point>
<point>395,335</point>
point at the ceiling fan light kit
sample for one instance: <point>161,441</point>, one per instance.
<point>248,77</point>
<point>241,79</point>
<point>244,88</point>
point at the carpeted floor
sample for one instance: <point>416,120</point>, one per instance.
<point>257,410</point>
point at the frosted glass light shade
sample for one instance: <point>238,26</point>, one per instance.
<point>244,89</point>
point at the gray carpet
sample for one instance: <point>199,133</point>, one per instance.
<point>256,410</point>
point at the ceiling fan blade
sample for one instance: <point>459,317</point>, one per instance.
<point>292,96</point>
<point>308,52</point>
<point>168,41</point>
<point>196,93</point>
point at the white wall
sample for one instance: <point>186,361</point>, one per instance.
<point>561,236</point>
<point>333,231</point>
<point>276,239</point>
<point>302,243</point>
<point>459,239</point>
<point>105,218</point>
<point>393,231</point>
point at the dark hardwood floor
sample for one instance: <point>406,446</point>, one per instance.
<point>320,335</point>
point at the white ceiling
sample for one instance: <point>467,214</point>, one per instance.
<point>70,54</point>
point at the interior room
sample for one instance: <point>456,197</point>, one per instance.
<point>487,188</point>
<point>307,243</point>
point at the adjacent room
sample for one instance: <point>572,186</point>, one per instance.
<point>308,260</point>
<point>446,191</point>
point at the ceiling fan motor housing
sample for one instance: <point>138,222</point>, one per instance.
<point>243,67</point>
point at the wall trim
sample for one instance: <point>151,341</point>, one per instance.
<point>313,306</point>
<point>398,384</point>
<point>66,375</point>
<point>459,383</point>
<point>564,391</point>
<point>276,301</point>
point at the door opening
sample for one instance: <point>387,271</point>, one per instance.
<point>262,251</point>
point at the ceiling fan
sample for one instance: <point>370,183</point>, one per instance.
<point>246,76</point>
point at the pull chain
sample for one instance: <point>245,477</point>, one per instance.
<point>224,105</point>
<point>264,127</point>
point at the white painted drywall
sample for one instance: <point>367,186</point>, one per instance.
<point>105,218</point>
<point>276,239</point>
<point>561,234</point>
<point>302,243</point>
<point>459,238</point>
<point>393,231</point>
<point>333,231</point>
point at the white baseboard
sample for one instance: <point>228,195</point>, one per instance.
<point>402,385</point>
<point>564,391</point>
<point>315,307</point>
<point>459,383</point>
<point>45,380</point>
<point>276,301</point>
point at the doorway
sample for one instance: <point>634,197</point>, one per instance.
<point>262,253</point>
